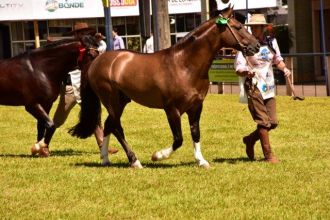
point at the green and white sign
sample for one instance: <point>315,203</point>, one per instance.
<point>222,70</point>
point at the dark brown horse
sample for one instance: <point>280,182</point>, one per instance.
<point>33,80</point>
<point>174,79</point>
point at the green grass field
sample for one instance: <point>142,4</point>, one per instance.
<point>72,184</point>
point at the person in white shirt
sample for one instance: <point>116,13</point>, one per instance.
<point>100,40</point>
<point>149,46</point>
<point>257,74</point>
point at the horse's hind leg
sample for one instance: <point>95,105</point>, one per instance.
<point>45,127</point>
<point>41,130</point>
<point>112,125</point>
<point>115,106</point>
<point>194,117</point>
<point>174,119</point>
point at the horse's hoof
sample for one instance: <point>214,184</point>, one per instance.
<point>205,165</point>
<point>137,164</point>
<point>112,150</point>
<point>44,152</point>
<point>34,150</point>
<point>155,156</point>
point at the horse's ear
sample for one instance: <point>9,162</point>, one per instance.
<point>229,11</point>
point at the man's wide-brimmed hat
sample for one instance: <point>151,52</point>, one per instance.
<point>99,36</point>
<point>257,19</point>
<point>82,27</point>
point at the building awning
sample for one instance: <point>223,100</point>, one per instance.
<point>68,9</point>
<point>16,10</point>
<point>251,4</point>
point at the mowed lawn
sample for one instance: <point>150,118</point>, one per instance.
<point>72,184</point>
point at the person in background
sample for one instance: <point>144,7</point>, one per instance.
<point>258,78</point>
<point>100,40</point>
<point>70,90</point>
<point>149,46</point>
<point>118,42</point>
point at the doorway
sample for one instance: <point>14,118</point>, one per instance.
<point>5,49</point>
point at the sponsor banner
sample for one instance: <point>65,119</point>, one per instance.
<point>252,4</point>
<point>65,9</point>
<point>184,6</point>
<point>9,10</point>
<point>120,8</point>
<point>131,7</point>
<point>222,70</point>
<point>49,9</point>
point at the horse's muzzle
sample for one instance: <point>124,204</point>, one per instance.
<point>251,49</point>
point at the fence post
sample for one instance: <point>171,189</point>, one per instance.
<point>220,87</point>
<point>289,63</point>
<point>328,71</point>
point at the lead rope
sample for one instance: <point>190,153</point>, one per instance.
<point>224,21</point>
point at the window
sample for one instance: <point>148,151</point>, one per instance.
<point>17,31</point>
<point>134,43</point>
<point>58,27</point>
<point>133,25</point>
<point>28,30</point>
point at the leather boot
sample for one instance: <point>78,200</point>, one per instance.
<point>249,142</point>
<point>264,139</point>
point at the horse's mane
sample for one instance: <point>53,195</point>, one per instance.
<point>58,43</point>
<point>194,34</point>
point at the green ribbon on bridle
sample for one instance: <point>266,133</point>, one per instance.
<point>222,21</point>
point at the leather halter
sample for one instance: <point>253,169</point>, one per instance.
<point>225,21</point>
<point>82,52</point>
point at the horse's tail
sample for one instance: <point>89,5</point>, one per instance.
<point>90,113</point>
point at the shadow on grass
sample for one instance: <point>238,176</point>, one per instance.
<point>53,153</point>
<point>16,155</point>
<point>127,165</point>
<point>232,160</point>
<point>67,152</point>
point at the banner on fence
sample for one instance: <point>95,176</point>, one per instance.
<point>222,70</point>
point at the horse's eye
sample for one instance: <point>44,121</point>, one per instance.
<point>239,27</point>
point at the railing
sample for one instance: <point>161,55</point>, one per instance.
<point>316,87</point>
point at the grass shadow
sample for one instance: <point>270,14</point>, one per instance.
<point>232,160</point>
<point>67,152</point>
<point>16,155</point>
<point>99,165</point>
<point>53,153</point>
<point>126,165</point>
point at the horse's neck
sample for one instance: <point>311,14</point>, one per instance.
<point>201,45</point>
<point>64,59</point>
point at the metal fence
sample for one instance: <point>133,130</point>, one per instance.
<point>317,86</point>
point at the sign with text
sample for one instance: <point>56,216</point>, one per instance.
<point>49,9</point>
<point>252,4</point>
<point>222,70</point>
<point>15,10</point>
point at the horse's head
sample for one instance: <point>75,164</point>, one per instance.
<point>234,34</point>
<point>88,50</point>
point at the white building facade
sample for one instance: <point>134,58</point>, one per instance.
<point>19,20</point>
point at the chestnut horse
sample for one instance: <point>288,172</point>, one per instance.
<point>174,79</point>
<point>33,80</point>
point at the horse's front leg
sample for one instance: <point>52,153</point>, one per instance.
<point>45,128</point>
<point>174,119</point>
<point>194,117</point>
